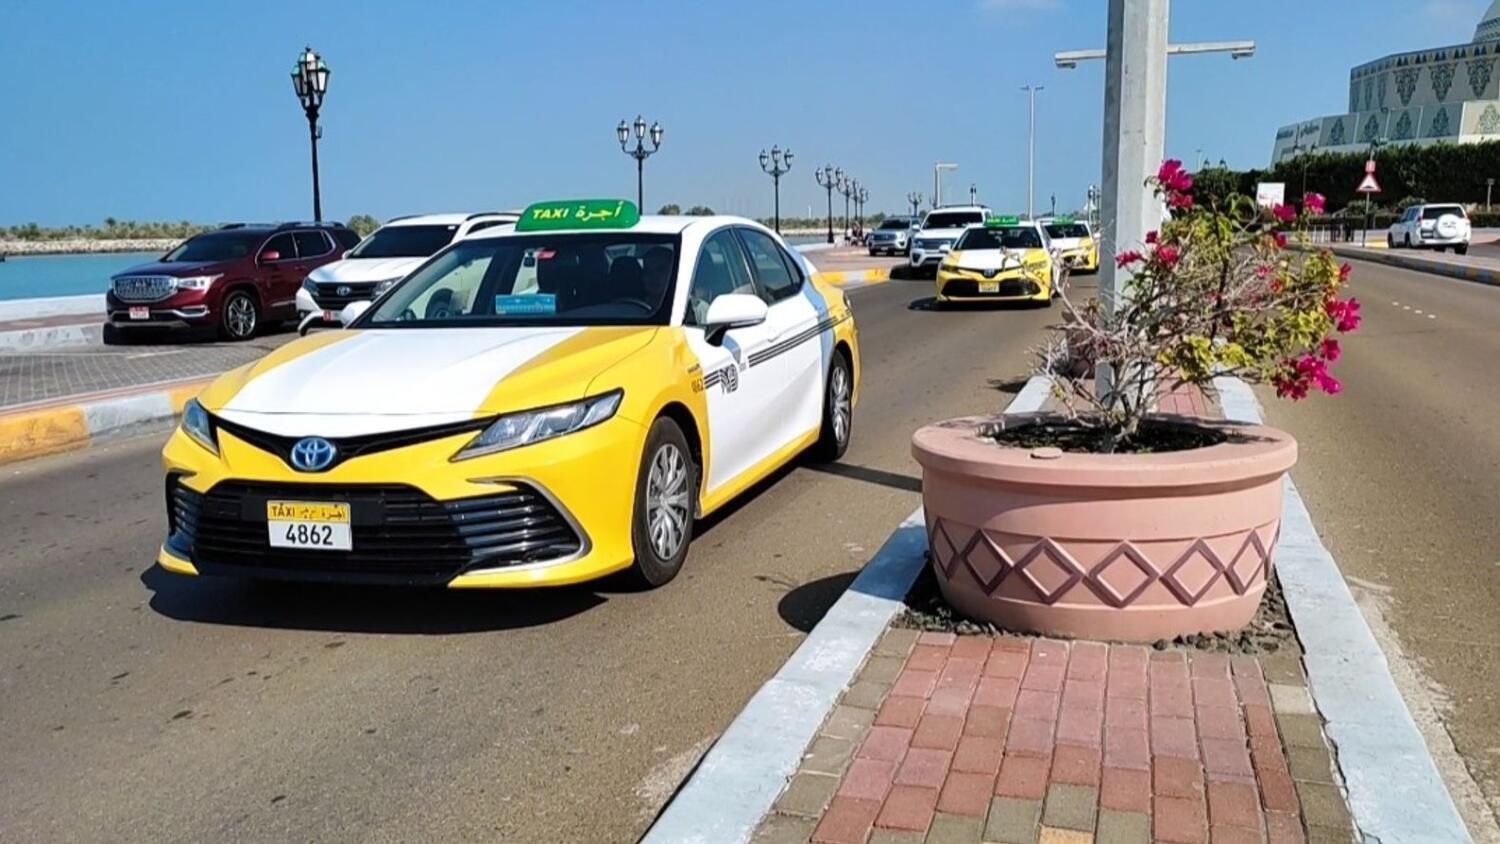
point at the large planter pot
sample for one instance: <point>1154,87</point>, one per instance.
<point>1125,547</point>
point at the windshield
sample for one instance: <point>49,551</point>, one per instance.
<point>1012,238</point>
<point>951,219</point>
<point>214,246</point>
<point>1061,230</point>
<point>1436,212</point>
<point>608,278</point>
<point>404,242</point>
<point>895,224</point>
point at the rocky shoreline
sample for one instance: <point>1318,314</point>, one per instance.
<point>82,246</point>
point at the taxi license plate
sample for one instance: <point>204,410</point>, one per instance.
<point>989,287</point>
<point>140,313</point>
<point>330,316</point>
<point>310,525</point>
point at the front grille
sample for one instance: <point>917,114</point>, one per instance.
<point>143,288</point>
<point>400,534</point>
<point>931,244</point>
<point>1009,287</point>
<point>333,296</point>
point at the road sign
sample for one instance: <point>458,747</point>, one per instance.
<point>1370,166</point>
<point>1368,184</point>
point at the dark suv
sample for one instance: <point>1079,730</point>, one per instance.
<point>232,279</point>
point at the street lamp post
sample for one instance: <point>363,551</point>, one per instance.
<point>310,79</point>
<point>937,182</point>
<point>777,164</point>
<point>1031,152</point>
<point>1489,189</point>
<point>640,153</point>
<point>859,207</point>
<point>828,178</point>
<point>1375,144</point>
<point>847,186</point>
<point>973,194</point>
<point>915,198</point>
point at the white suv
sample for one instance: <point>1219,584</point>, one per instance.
<point>940,228</point>
<point>384,258</point>
<point>1432,227</point>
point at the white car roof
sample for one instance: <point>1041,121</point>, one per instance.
<point>980,208</point>
<point>454,219</point>
<point>649,224</point>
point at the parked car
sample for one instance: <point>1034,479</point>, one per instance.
<point>1437,226</point>
<point>940,228</point>
<point>384,258</point>
<point>893,236</point>
<point>233,279</point>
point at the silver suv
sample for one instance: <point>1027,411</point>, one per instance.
<point>893,236</point>
<point>1432,227</point>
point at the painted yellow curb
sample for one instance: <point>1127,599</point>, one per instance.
<point>841,277</point>
<point>25,434</point>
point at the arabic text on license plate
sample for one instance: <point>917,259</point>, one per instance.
<point>989,287</point>
<point>140,313</point>
<point>313,525</point>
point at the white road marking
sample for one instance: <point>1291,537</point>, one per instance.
<point>1417,311</point>
<point>1432,316</point>
<point>139,355</point>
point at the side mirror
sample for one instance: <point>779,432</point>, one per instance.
<point>346,253</point>
<point>269,256</point>
<point>732,310</point>
<point>352,311</point>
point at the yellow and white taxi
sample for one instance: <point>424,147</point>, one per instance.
<point>540,406</point>
<point>1004,259</point>
<point>1075,242</point>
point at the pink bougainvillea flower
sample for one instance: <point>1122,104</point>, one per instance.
<point>1292,387</point>
<point>1167,255</point>
<point>1125,259</point>
<point>1284,213</point>
<point>1152,237</point>
<point>1330,350</point>
<point>1280,239</point>
<point>1180,200</point>
<point>1173,178</point>
<point>1345,314</point>
<point>1262,271</point>
<point>1314,203</point>
<point>1344,271</point>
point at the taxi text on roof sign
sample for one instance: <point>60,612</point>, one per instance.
<point>1064,220</point>
<point>579,214</point>
<point>1002,221</point>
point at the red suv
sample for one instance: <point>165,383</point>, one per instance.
<point>232,279</point>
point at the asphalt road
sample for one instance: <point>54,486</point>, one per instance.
<point>141,706</point>
<point>1400,474</point>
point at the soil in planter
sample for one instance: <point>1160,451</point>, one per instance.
<point>1269,632</point>
<point>1153,437</point>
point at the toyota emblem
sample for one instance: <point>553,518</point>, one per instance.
<point>313,454</point>
<point>342,290</point>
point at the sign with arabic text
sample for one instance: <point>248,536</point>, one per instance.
<point>995,222</point>
<point>578,214</point>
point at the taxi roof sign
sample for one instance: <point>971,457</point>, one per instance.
<point>994,222</point>
<point>1064,220</point>
<point>579,214</point>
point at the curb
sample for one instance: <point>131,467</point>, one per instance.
<point>52,337</point>
<point>742,774</point>
<point>25,434</point>
<point>847,277</point>
<point>91,304</point>
<point>1395,791</point>
<point>1477,275</point>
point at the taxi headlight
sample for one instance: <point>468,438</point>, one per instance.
<point>196,424</point>
<point>382,286</point>
<point>525,427</point>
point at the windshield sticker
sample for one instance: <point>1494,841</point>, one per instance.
<point>579,214</point>
<point>533,304</point>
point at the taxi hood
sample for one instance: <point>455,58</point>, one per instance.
<point>991,259</point>
<point>361,381</point>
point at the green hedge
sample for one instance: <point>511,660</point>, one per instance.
<point>1440,173</point>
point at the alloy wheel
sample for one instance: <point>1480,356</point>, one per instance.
<point>839,403</point>
<point>667,505</point>
<point>239,316</point>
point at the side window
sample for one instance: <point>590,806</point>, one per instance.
<point>484,224</point>
<point>720,270</point>
<point>283,245</point>
<point>311,244</point>
<point>777,278</point>
<point>347,238</point>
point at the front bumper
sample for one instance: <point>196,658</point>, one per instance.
<point>1014,286</point>
<point>179,309</point>
<point>552,513</point>
<point>922,258</point>
<point>887,246</point>
<point>1082,259</point>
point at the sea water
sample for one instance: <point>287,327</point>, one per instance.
<point>30,277</point>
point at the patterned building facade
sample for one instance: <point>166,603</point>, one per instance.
<point>1443,95</point>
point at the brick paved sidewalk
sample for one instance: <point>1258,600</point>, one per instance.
<point>1009,739</point>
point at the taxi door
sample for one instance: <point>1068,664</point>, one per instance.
<point>800,345</point>
<point>738,394</point>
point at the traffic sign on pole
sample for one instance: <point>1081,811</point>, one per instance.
<point>1368,184</point>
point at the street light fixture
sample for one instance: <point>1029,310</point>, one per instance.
<point>310,80</point>
<point>847,186</point>
<point>973,194</point>
<point>776,164</point>
<point>828,178</point>
<point>915,198</point>
<point>640,153</point>
<point>859,207</point>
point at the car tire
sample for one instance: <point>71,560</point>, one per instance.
<point>1390,241</point>
<point>838,411</point>
<point>1408,241</point>
<point>113,335</point>
<point>1461,249</point>
<point>239,316</point>
<point>666,494</point>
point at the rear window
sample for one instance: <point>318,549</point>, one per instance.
<point>951,219</point>
<point>1433,212</point>
<point>895,224</point>
<point>1064,230</point>
<point>405,242</point>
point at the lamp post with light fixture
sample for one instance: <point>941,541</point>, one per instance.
<point>828,178</point>
<point>310,79</point>
<point>640,153</point>
<point>776,164</point>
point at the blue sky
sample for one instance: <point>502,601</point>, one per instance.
<point>184,110</point>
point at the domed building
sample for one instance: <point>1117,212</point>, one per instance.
<point>1444,95</point>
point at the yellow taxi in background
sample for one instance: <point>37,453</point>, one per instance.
<point>1075,242</point>
<point>1003,259</point>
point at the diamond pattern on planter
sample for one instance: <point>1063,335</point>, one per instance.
<point>1254,556</point>
<point>1048,563</point>
<point>1121,576</point>
<point>1197,565</point>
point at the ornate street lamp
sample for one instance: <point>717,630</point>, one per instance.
<point>847,186</point>
<point>310,79</point>
<point>828,179</point>
<point>776,165</point>
<point>859,208</point>
<point>915,198</point>
<point>640,153</point>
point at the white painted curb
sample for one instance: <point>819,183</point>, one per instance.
<point>740,777</point>
<point>51,306</point>
<point>52,337</point>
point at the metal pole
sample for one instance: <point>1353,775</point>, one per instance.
<point>640,181</point>
<point>1031,152</point>
<point>312,131</point>
<point>830,212</point>
<point>937,186</point>
<point>1489,188</point>
<point>776,180</point>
